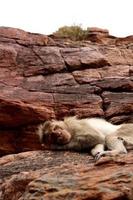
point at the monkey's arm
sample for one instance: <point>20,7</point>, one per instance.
<point>72,146</point>
<point>98,149</point>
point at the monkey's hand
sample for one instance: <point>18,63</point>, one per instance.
<point>99,155</point>
<point>114,152</point>
<point>98,151</point>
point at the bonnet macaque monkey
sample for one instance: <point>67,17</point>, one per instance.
<point>94,134</point>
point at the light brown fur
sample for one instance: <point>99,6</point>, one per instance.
<point>80,136</point>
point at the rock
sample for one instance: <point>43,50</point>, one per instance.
<point>49,60</point>
<point>81,58</point>
<point>118,104</point>
<point>100,74</point>
<point>65,175</point>
<point>96,31</point>
<point>23,38</point>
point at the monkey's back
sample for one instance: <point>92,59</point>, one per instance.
<point>125,130</point>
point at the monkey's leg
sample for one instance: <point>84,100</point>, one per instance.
<point>114,142</point>
<point>127,141</point>
<point>125,133</point>
<point>115,146</point>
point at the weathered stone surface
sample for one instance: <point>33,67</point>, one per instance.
<point>97,31</point>
<point>49,58</point>
<point>117,55</point>
<point>118,103</point>
<point>85,57</point>
<point>19,36</point>
<point>65,175</point>
<point>90,75</point>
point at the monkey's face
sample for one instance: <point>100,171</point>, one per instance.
<point>55,134</point>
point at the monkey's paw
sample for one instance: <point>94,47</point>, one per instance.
<point>99,155</point>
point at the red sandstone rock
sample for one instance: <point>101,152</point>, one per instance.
<point>95,30</point>
<point>65,175</point>
<point>86,57</point>
<point>23,38</point>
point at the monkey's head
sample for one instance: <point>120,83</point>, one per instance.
<point>53,132</point>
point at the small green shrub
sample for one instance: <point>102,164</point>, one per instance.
<point>73,32</point>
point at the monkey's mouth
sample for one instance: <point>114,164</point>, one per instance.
<point>52,138</point>
<point>57,138</point>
